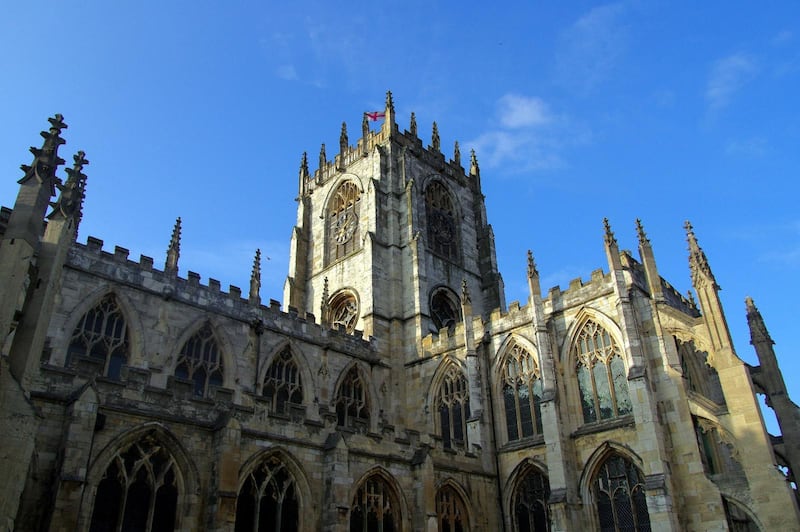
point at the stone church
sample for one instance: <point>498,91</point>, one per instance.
<point>393,389</point>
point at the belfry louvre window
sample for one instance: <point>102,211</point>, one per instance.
<point>451,510</point>
<point>619,492</point>
<point>442,232</point>
<point>200,361</point>
<point>452,407</point>
<point>139,490</point>
<point>374,508</point>
<point>352,405</point>
<point>601,375</point>
<point>522,394</point>
<point>531,512</point>
<point>343,238</point>
<point>282,382</point>
<point>102,335</point>
<point>267,501</point>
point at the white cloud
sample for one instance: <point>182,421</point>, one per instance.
<point>752,147</point>
<point>287,72</point>
<point>728,76</point>
<point>517,111</point>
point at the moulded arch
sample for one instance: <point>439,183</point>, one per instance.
<point>438,376</point>
<point>344,292</point>
<point>454,251</point>
<point>307,376</point>
<point>452,298</point>
<point>744,509</point>
<point>335,187</point>
<point>606,450</point>
<point>516,477</point>
<point>502,354</point>
<point>372,391</point>
<point>451,483</point>
<point>229,368</point>
<point>91,300</point>
<point>428,180</point>
<point>585,314</point>
<point>389,479</point>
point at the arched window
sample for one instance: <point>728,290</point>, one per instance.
<point>522,393</point>
<point>531,513</point>
<point>352,405</point>
<point>445,309</point>
<point>374,508</point>
<point>619,492</point>
<point>344,311</point>
<point>267,500</point>
<point>342,218</point>
<point>282,382</point>
<point>700,377</point>
<point>139,490</point>
<point>451,510</point>
<point>738,520</point>
<point>601,374</point>
<point>200,361</point>
<point>102,335</point>
<point>452,407</point>
<point>442,228</point>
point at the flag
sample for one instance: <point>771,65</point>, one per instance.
<point>375,115</point>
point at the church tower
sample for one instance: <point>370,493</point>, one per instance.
<point>387,233</point>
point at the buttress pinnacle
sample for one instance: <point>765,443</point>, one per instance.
<point>255,279</point>
<point>436,143</point>
<point>46,158</point>
<point>698,263</point>
<point>474,169</point>
<point>610,239</point>
<point>643,240</point>
<point>758,330</point>
<point>72,191</point>
<point>532,271</point>
<point>412,127</point>
<point>343,140</point>
<point>174,249</point>
<point>457,154</point>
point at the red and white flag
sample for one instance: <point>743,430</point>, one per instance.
<point>375,115</point>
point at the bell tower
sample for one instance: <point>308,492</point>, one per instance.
<point>387,233</point>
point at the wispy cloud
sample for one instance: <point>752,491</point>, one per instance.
<point>589,49</point>
<point>286,72</point>
<point>750,147</point>
<point>728,76</point>
<point>518,111</point>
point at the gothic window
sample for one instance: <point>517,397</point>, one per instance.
<point>531,513</point>
<point>619,492</point>
<point>442,228</point>
<point>200,361</point>
<point>282,381</point>
<point>352,405</point>
<point>102,335</point>
<point>451,510</point>
<point>738,520</point>
<point>342,221</point>
<point>267,501</point>
<point>601,375</point>
<point>344,311</point>
<point>452,407</point>
<point>139,490</point>
<point>707,442</point>
<point>445,309</point>
<point>374,508</point>
<point>522,393</point>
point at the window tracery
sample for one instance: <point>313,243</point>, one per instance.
<point>522,393</point>
<point>344,311</point>
<point>282,382</point>
<point>601,374</point>
<point>102,334</point>
<point>139,490</point>
<point>374,508</point>
<point>738,520</point>
<point>452,407</point>
<point>445,310</point>
<point>451,510</point>
<point>352,404</point>
<point>267,500</point>
<point>531,513</point>
<point>200,361</point>
<point>441,216</point>
<point>343,221</point>
<point>619,493</point>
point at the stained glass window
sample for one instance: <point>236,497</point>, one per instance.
<point>200,361</point>
<point>374,508</point>
<point>343,221</point>
<point>451,510</point>
<point>522,393</point>
<point>102,334</point>
<point>282,382</point>
<point>442,227</point>
<point>352,406</point>
<point>619,492</point>
<point>531,513</point>
<point>267,501</point>
<point>452,406</point>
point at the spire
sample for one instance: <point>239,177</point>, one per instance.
<point>474,169</point>
<point>698,263</point>
<point>643,241</point>
<point>71,198</point>
<point>255,279</point>
<point>457,154</point>
<point>435,141</point>
<point>532,271</point>
<point>343,141</point>
<point>174,249</point>
<point>758,330</point>
<point>412,128</point>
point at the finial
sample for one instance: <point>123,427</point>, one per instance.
<point>609,234</point>
<point>643,240</point>
<point>474,169</point>
<point>255,279</point>
<point>758,329</point>
<point>465,298</point>
<point>174,249</point>
<point>46,159</point>
<point>412,128</point>
<point>457,154</point>
<point>389,102</point>
<point>323,159</point>
<point>698,263</point>
<point>343,142</point>
<point>532,271</point>
<point>71,199</point>
<point>435,141</point>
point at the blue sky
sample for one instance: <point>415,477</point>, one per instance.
<point>665,111</point>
